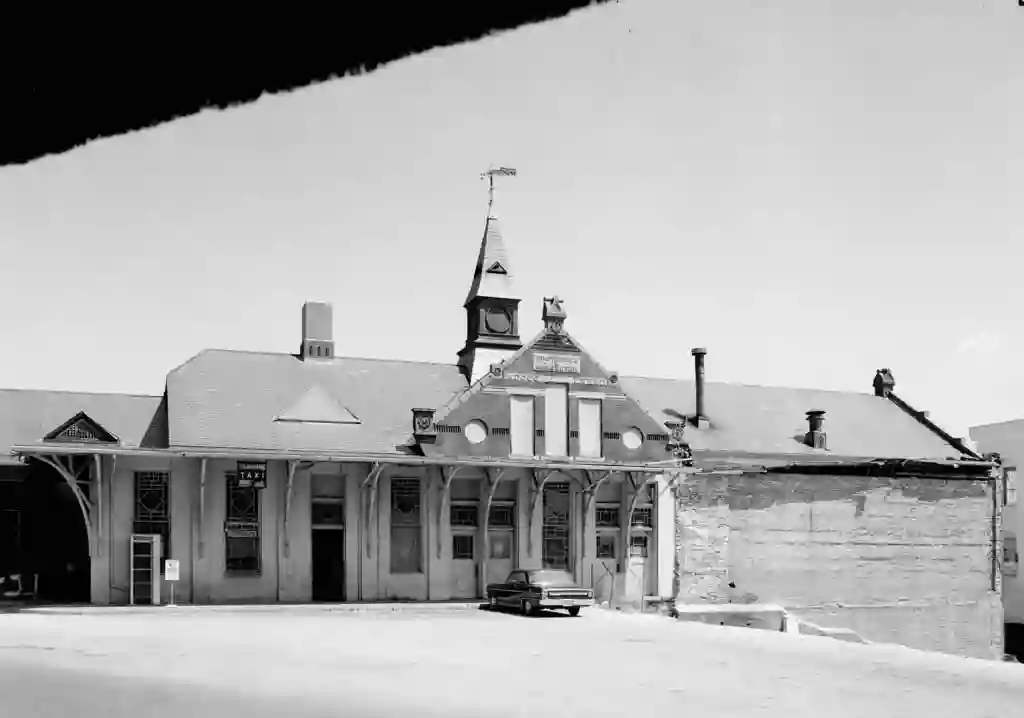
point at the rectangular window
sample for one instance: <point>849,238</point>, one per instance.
<point>556,420</point>
<point>153,508</point>
<point>642,517</point>
<point>638,546</point>
<point>522,427</point>
<point>607,516</point>
<point>503,516</point>
<point>1010,486</point>
<point>463,547</point>
<point>1010,557</point>
<point>590,428</point>
<point>606,545</point>
<point>242,528</point>
<point>406,527</point>
<point>465,515</point>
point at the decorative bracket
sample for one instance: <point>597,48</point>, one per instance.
<point>84,504</point>
<point>423,426</point>
<point>370,500</point>
<point>446,483</point>
<point>293,466</point>
<point>540,477</point>
<point>592,481</point>
<point>494,477</point>
<point>634,497</point>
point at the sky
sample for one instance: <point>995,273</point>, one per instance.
<point>812,190</point>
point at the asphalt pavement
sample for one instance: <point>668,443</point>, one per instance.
<point>469,662</point>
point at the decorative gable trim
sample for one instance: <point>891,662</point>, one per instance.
<point>81,429</point>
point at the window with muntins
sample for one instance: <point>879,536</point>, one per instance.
<point>242,528</point>
<point>153,508</point>
<point>406,527</point>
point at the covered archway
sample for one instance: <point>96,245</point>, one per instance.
<point>46,537</point>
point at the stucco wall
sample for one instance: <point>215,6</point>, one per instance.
<point>198,541</point>
<point>898,561</point>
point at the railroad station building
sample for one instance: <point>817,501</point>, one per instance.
<point>310,476</point>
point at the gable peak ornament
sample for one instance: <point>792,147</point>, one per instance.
<point>553,315</point>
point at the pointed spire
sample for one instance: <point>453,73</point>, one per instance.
<point>492,276</point>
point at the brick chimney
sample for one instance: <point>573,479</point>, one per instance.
<point>884,383</point>
<point>815,437</point>
<point>317,331</point>
<point>700,417</point>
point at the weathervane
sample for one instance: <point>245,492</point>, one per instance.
<point>489,176</point>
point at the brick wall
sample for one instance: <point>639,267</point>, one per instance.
<point>901,561</point>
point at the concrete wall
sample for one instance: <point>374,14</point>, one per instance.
<point>1008,440</point>
<point>897,561</point>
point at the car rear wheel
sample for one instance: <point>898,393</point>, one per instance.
<point>528,609</point>
<point>574,610</point>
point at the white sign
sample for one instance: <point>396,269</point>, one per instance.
<point>171,569</point>
<point>558,363</point>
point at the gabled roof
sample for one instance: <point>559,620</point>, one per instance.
<point>230,399</point>
<point>492,276</point>
<point>763,419</point>
<point>28,415</point>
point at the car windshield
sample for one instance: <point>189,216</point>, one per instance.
<point>552,578</point>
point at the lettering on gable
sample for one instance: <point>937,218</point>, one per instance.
<point>546,379</point>
<point>558,363</point>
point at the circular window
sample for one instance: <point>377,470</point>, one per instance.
<point>632,438</point>
<point>476,431</point>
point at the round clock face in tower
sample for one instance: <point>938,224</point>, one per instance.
<point>497,321</point>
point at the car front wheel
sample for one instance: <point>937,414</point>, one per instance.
<point>528,609</point>
<point>493,603</point>
<point>574,610</point>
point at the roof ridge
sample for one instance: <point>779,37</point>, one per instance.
<point>327,360</point>
<point>83,393</point>
<point>752,386</point>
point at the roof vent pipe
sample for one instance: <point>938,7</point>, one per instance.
<point>700,417</point>
<point>815,437</point>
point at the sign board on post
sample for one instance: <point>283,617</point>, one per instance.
<point>171,575</point>
<point>252,473</point>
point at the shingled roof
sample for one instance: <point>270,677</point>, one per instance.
<point>27,415</point>
<point>235,400</point>
<point>765,419</point>
<point>223,399</point>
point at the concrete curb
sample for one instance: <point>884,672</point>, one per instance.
<point>188,609</point>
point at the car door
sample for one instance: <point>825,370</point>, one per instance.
<point>511,589</point>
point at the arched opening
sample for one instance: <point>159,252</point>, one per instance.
<point>44,543</point>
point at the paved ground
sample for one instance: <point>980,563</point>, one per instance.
<point>469,662</point>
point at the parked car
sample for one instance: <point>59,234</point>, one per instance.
<point>531,590</point>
